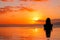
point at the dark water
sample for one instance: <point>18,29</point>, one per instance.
<point>27,33</point>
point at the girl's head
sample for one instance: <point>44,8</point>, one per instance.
<point>48,21</point>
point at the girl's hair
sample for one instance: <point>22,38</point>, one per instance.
<point>48,21</point>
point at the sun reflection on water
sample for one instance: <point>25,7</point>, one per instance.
<point>36,30</point>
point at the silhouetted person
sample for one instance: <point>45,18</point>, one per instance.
<point>48,27</point>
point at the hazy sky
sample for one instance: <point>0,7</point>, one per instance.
<point>41,10</point>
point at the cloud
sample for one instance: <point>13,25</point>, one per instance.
<point>4,3</point>
<point>14,9</point>
<point>39,0</point>
<point>7,0</point>
<point>21,0</point>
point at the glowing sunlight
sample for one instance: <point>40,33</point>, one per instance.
<point>35,15</point>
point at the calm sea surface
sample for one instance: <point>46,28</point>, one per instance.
<point>28,33</point>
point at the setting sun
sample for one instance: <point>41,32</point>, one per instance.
<point>35,15</point>
<point>36,18</point>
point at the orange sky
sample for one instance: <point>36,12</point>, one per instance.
<point>28,12</point>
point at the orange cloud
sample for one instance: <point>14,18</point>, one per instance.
<point>7,0</point>
<point>23,0</point>
<point>39,0</point>
<point>33,0</point>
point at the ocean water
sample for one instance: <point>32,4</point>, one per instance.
<point>28,33</point>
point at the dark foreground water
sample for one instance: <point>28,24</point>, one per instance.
<point>27,33</point>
